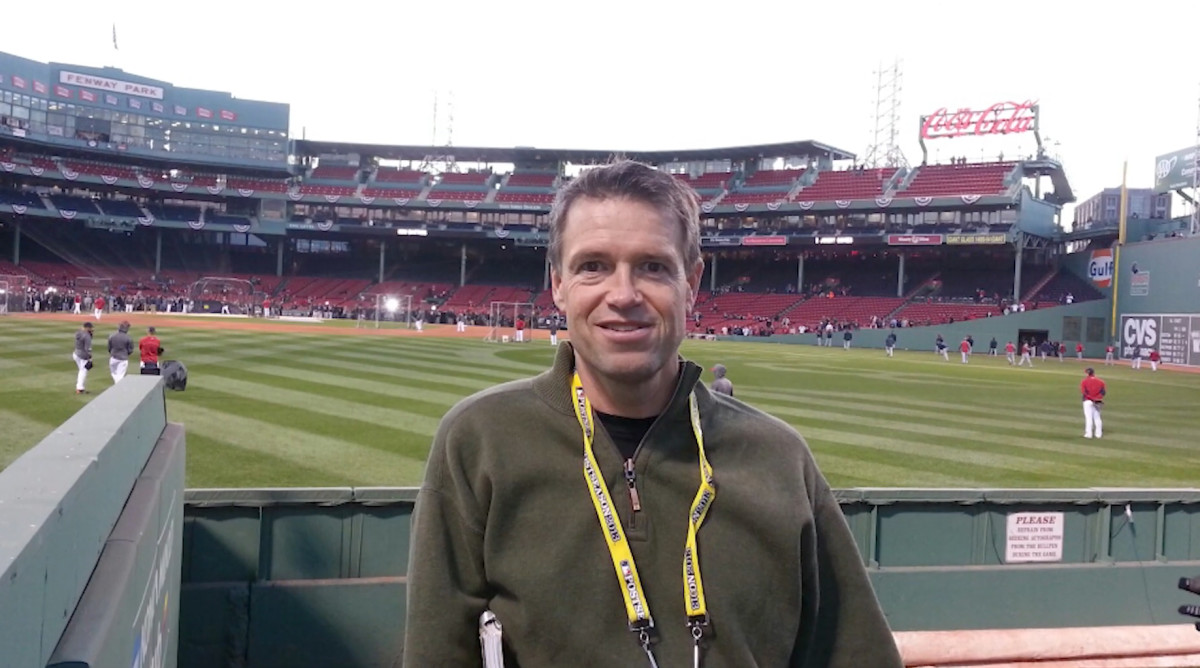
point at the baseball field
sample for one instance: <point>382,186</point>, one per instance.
<point>272,404</point>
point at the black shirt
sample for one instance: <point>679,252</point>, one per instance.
<point>626,433</point>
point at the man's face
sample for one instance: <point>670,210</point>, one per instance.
<point>624,288</point>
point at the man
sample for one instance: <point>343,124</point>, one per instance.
<point>1025,355</point>
<point>554,330</point>
<point>1155,357</point>
<point>98,305</point>
<point>510,519</point>
<point>1010,352</point>
<point>82,356</point>
<point>721,384</point>
<point>150,348</point>
<point>520,328</point>
<point>1079,351</point>
<point>965,349</point>
<point>1108,354</point>
<point>992,347</point>
<point>120,347</point>
<point>1093,398</point>
<point>890,344</point>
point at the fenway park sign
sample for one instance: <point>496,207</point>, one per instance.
<point>1002,118</point>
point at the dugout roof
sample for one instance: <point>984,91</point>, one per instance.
<point>529,154</point>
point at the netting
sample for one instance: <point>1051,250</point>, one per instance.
<point>12,293</point>
<point>392,312</point>
<point>503,318</point>
<point>216,294</point>
<point>94,285</point>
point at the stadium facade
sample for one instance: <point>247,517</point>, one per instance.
<point>106,173</point>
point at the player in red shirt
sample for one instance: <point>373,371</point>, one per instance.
<point>1108,355</point>
<point>965,349</point>
<point>1079,351</point>
<point>1155,358</point>
<point>150,348</point>
<point>1093,397</point>
<point>1025,358</point>
<point>1010,351</point>
<point>98,307</point>
<point>520,326</point>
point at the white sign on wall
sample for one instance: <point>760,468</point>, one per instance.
<point>1033,538</point>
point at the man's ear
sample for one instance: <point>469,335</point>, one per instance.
<point>693,279</point>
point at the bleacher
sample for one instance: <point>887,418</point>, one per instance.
<point>333,173</point>
<point>528,188</point>
<point>173,212</point>
<point>407,179</point>
<point>400,193</point>
<point>841,309</point>
<point>458,195</point>
<point>327,190</point>
<point>73,203</point>
<point>709,185</point>
<point>196,180</point>
<point>21,198</point>
<point>260,185</point>
<point>846,185</point>
<point>120,207</point>
<point>976,178</point>
<point>938,313</point>
<point>1055,291</point>
<point>99,169</point>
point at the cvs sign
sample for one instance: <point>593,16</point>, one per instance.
<point>1100,268</point>
<point>1139,331</point>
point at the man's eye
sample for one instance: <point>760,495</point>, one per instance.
<point>589,267</point>
<point>655,267</point>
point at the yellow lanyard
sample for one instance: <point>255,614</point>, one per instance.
<point>637,607</point>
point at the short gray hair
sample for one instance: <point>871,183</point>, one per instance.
<point>675,200</point>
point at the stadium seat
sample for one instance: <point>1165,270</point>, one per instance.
<point>984,178</point>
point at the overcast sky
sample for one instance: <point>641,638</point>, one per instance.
<point>652,74</point>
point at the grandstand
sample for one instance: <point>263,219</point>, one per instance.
<point>794,233</point>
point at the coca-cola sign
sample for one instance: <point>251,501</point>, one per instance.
<point>1002,118</point>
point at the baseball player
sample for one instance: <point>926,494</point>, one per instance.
<point>1135,361</point>
<point>1093,398</point>
<point>1025,358</point>
<point>889,344</point>
<point>150,348</point>
<point>82,356</point>
<point>520,327</point>
<point>992,347</point>
<point>554,330</point>
<point>98,307</point>
<point>721,385</point>
<point>1079,351</point>
<point>1155,358</point>
<point>120,347</point>
<point>1108,355</point>
<point>965,349</point>
<point>460,323</point>
<point>1010,351</point>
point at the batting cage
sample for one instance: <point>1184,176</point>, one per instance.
<point>228,296</point>
<point>503,319</point>
<point>390,312</point>
<point>12,293</point>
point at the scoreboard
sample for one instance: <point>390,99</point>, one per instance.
<point>1176,336</point>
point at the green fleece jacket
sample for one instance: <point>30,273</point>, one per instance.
<point>504,522</point>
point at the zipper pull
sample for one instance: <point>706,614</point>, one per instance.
<point>631,479</point>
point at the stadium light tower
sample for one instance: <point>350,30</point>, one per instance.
<point>885,143</point>
<point>1195,226</point>
<point>441,158</point>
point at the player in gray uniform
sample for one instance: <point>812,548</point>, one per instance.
<point>890,344</point>
<point>721,385</point>
<point>120,347</point>
<point>82,356</point>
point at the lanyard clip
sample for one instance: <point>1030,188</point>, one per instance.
<point>697,624</point>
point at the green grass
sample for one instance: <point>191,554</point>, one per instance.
<point>279,409</point>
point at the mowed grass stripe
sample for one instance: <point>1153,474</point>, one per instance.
<point>20,432</point>
<point>365,464</point>
<point>212,459</point>
<point>352,416</point>
<point>1043,432</point>
<point>351,388</point>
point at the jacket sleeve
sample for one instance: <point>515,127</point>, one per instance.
<point>842,625</point>
<point>447,589</point>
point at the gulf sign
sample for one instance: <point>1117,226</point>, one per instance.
<point>1100,268</point>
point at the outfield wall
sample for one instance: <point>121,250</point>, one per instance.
<point>81,546</point>
<point>316,577</point>
<point>1086,321</point>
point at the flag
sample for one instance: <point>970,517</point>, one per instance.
<point>115,38</point>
